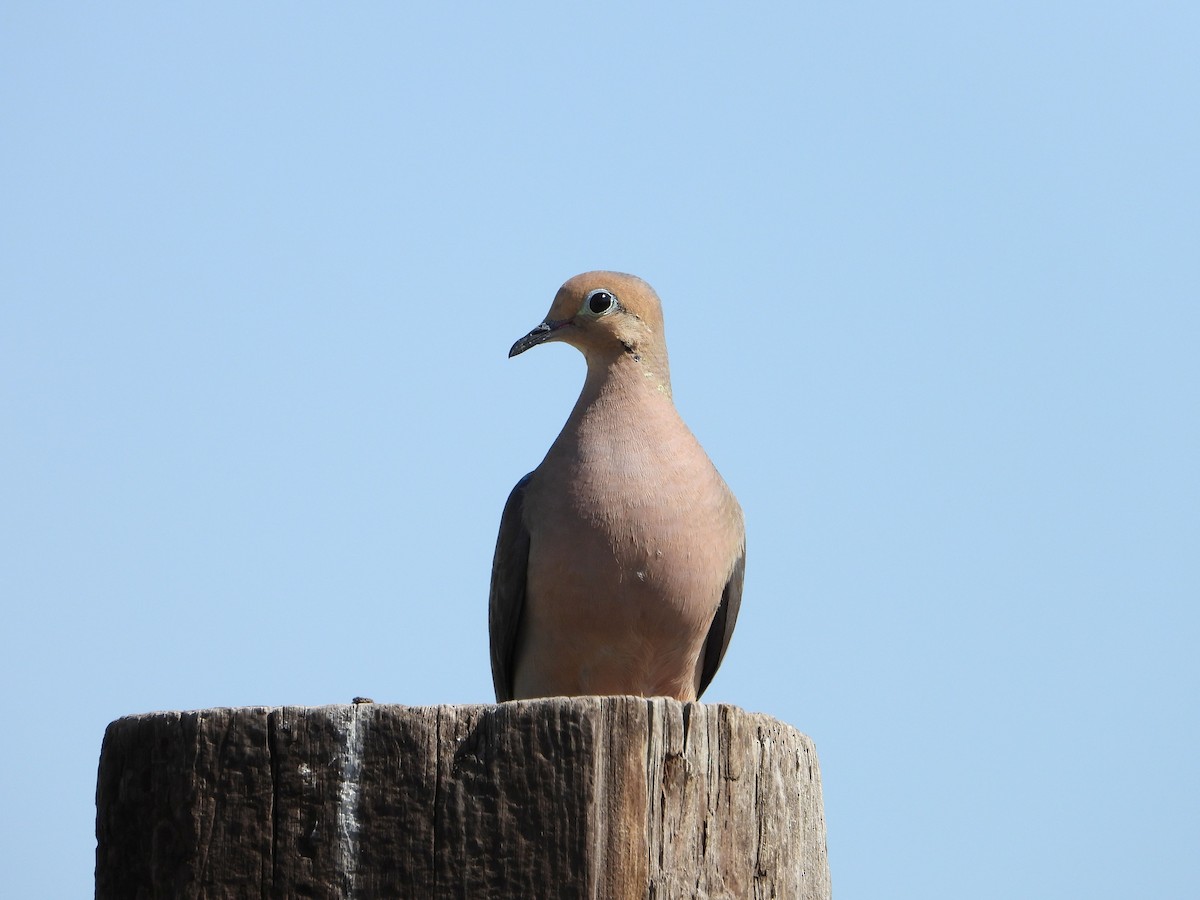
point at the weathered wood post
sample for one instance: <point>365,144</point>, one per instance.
<point>592,797</point>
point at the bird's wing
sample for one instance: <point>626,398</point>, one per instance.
<point>508,590</point>
<point>721,629</point>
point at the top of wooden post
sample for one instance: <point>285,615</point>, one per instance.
<point>596,797</point>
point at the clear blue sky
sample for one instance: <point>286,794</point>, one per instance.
<point>931,280</point>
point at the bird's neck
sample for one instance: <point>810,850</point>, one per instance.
<point>624,404</point>
<point>617,384</point>
<point>633,373</point>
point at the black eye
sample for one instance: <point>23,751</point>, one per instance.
<point>600,302</point>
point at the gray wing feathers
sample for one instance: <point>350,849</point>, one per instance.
<point>721,629</point>
<point>508,590</point>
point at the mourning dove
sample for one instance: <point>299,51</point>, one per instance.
<point>619,564</point>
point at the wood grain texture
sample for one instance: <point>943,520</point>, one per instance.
<point>590,797</point>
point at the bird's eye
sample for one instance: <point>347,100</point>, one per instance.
<point>599,302</point>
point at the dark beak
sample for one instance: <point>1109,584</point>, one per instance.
<point>539,335</point>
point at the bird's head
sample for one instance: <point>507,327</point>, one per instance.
<point>605,315</point>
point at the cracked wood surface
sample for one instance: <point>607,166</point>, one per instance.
<point>589,797</point>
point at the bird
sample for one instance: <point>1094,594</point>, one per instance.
<point>620,559</point>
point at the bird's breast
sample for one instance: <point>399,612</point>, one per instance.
<point>632,514</point>
<point>632,538</point>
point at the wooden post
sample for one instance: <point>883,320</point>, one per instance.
<point>590,797</point>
